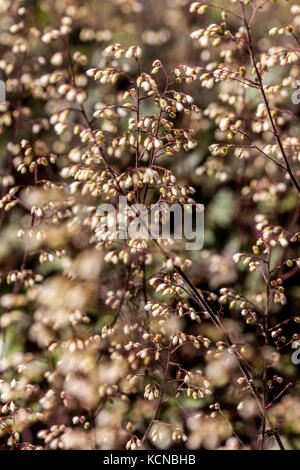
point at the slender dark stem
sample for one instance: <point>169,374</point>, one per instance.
<point>160,399</point>
<point>272,123</point>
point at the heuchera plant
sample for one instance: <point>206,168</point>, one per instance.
<point>111,342</point>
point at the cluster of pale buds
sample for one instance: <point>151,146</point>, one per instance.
<point>271,234</point>
<point>52,436</point>
<point>8,408</point>
<point>134,52</point>
<point>181,338</point>
<point>244,382</point>
<point>221,346</point>
<point>7,68</point>
<point>105,390</point>
<point>48,401</point>
<point>203,36</point>
<point>104,76</point>
<point>16,27</point>
<point>7,180</point>
<point>114,299</point>
<point>289,58</point>
<point>13,439</point>
<point>138,246</point>
<point>27,446</point>
<point>20,46</point>
<point>132,345</point>
<point>165,288</point>
<point>81,420</point>
<point>46,257</point>
<point>152,142</point>
<point>281,31</point>
<point>276,333</point>
<point>133,443</point>
<point>295,9</point>
<point>117,51</point>
<point>50,78</point>
<point>65,28</point>
<point>177,436</point>
<point>57,59</point>
<point>7,202</point>
<point>237,257</point>
<point>112,257</point>
<point>150,176</point>
<point>208,79</point>
<point>77,317</point>
<point>147,83</point>
<point>219,149</point>
<point>80,58</point>
<point>275,379</point>
<point>73,94</point>
<point>51,36</point>
<point>197,393</point>
<point>24,167</point>
<point>111,112</point>
<point>26,275</point>
<point>216,407</point>
<point>198,7</point>
<point>104,235</point>
<point>36,211</point>
<point>157,309</point>
<point>151,392</point>
<point>82,174</point>
<point>186,73</point>
<point>106,331</point>
<point>89,34</point>
<point>253,265</point>
<point>182,98</point>
<point>157,65</point>
<point>39,235</point>
<point>175,192</point>
<point>224,123</point>
<point>76,345</point>
<point>295,237</point>
<point>251,316</point>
